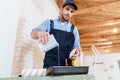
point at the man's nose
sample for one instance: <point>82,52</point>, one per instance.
<point>69,12</point>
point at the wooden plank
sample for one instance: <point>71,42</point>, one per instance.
<point>60,2</point>
<point>105,23</point>
<point>100,32</point>
<point>98,7</point>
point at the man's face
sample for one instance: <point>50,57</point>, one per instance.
<point>67,12</point>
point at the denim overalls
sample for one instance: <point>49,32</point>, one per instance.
<point>58,55</point>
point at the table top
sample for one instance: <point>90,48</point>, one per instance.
<point>64,77</point>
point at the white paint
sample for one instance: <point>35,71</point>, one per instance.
<point>50,11</point>
<point>9,14</point>
<point>109,60</point>
<point>81,59</point>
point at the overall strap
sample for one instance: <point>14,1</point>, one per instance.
<point>72,28</point>
<point>51,24</point>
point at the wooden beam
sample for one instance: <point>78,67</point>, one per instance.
<point>98,40</point>
<point>100,32</point>
<point>115,36</point>
<point>102,43</point>
<point>60,2</point>
<point>105,23</point>
<point>96,8</point>
<point>88,51</point>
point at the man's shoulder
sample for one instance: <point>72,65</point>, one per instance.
<point>47,21</point>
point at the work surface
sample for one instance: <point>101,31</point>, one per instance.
<point>65,77</point>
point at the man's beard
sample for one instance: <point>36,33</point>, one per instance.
<point>65,17</point>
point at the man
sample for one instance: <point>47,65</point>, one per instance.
<point>64,32</point>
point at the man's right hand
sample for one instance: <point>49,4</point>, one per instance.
<point>43,37</point>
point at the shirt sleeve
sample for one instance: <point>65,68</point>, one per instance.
<point>77,38</point>
<point>44,26</point>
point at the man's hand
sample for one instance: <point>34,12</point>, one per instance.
<point>43,37</point>
<point>75,54</point>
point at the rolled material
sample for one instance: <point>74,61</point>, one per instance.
<point>33,72</point>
